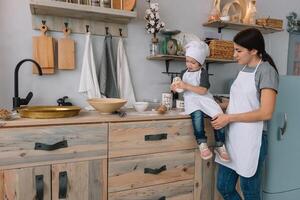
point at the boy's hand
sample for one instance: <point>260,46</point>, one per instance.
<point>180,85</point>
<point>173,87</point>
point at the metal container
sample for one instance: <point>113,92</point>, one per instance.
<point>48,112</point>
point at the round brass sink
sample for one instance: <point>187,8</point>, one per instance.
<point>48,112</point>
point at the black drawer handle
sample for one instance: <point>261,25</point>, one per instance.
<point>155,171</point>
<point>162,198</point>
<point>63,185</point>
<point>48,147</point>
<point>39,184</point>
<point>162,136</point>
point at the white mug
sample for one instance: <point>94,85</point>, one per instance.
<point>180,104</point>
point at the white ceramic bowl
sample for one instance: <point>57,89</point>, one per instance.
<point>107,105</point>
<point>140,106</point>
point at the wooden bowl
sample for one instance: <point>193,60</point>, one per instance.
<point>107,105</point>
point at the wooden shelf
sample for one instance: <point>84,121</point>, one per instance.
<point>168,58</point>
<point>239,26</point>
<point>182,58</point>
<point>87,12</point>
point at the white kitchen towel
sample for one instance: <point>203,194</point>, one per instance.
<point>123,75</point>
<point>88,81</point>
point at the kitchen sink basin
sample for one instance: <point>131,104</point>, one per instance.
<point>48,112</point>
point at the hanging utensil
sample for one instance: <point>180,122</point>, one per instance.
<point>66,50</point>
<point>43,51</point>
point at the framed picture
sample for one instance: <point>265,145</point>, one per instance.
<point>293,67</point>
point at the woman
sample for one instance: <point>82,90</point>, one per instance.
<point>251,104</point>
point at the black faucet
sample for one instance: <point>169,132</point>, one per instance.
<point>17,101</point>
<point>62,101</point>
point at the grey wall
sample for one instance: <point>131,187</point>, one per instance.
<point>16,43</point>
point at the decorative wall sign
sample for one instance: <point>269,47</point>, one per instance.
<point>293,24</point>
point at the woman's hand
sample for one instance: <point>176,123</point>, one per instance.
<point>220,121</point>
<point>224,103</point>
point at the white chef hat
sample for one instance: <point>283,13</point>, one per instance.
<point>198,50</point>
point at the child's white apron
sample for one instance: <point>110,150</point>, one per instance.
<point>193,101</point>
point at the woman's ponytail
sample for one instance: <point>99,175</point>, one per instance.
<point>266,57</point>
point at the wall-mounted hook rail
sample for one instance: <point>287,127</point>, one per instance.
<point>79,26</point>
<point>106,30</point>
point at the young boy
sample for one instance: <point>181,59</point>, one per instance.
<point>198,100</point>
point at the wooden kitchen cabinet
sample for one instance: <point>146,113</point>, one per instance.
<point>157,160</point>
<point>70,181</point>
<point>138,138</point>
<point>107,158</point>
<point>24,146</point>
<point>80,180</point>
<point>75,169</point>
<point>25,183</point>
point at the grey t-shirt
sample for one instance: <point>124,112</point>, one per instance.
<point>265,77</point>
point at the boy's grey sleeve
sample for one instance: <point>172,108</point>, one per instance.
<point>204,79</point>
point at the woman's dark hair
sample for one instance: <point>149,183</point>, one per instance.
<point>253,39</point>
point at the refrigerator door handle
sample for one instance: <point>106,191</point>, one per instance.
<point>282,129</point>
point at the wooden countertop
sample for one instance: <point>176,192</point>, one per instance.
<point>90,117</point>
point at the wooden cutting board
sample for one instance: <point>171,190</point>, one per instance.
<point>128,4</point>
<point>43,51</point>
<point>117,4</point>
<point>66,51</point>
<point>124,4</point>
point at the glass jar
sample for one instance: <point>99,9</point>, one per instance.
<point>105,3</point>
<point>154,49</point>
<point>95,2</point>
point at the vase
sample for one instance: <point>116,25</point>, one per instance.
<point>154,47</point>
<point>105,3</point>
<point>214,14</point>
<point>250,17</point>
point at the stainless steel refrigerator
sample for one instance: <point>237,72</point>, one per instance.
<point>282,169</point>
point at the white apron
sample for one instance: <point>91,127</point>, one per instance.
<point>193,101</point>
<point>243,140</point>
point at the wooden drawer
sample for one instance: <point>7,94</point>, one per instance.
<point>137,138</point>
<point>17,145</point>
<point>147,170</point>
<point>181,190</point>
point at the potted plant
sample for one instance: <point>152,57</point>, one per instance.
<point>153,25</point>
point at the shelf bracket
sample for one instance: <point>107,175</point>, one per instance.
<point>167,65</point>
<point>220,29</point>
